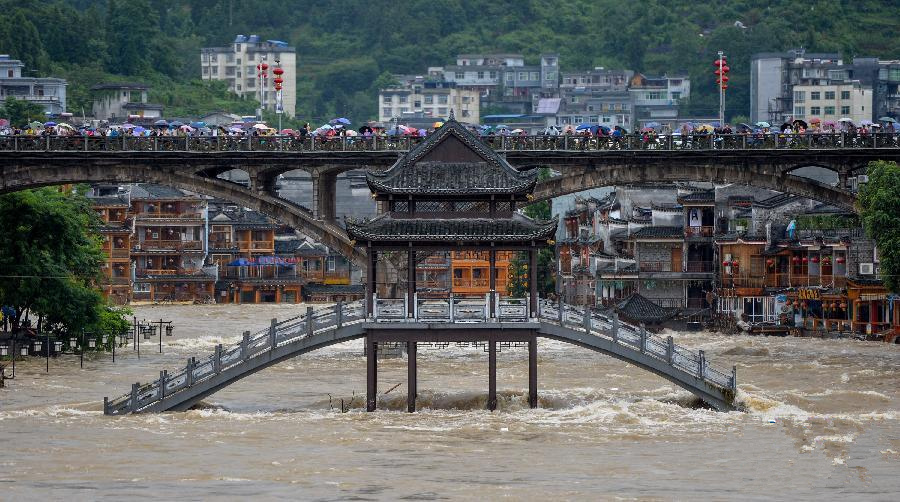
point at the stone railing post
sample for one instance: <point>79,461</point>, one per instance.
<point>670,350</point>
<point>47,147</point>
<point>701,366</point>
<point>310,328</point>
<point>615,327</point>
<point>273,334</point>
<point>643,338</point>
<point>245,346</point>
<point>560,312</point>
<point>734,377</point>
<point>105,405</point>
<point>339,314</point>
<point>134,396</point>
<point>586,319</point>
<point>163,376</point>
<point>189,372</point>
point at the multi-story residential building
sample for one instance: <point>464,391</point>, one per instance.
<point>242,245</point>
<point>114,210</point>
<point>236,64</point>
<point>833,101</point>
<point>169,245</point>
<point>418,96</point>
<point>118,102</point>
<point>504,81</point>
<point>50,93</point>
<point>656,99</point>
<point>775,77</point>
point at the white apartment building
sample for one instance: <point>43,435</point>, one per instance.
<point>417,97</point>
<point>236,64</point>
<point>47,92</point>
<point>833,101</point>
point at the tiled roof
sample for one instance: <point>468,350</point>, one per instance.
<point>109,200</point>
<point>705,196</point>
<point>150,191</point>
<point>515,229</point>
<point>437,166</point>
<point>638,308</point>
<point>659,232</point>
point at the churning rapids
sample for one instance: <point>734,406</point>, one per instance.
<point>822,421</point>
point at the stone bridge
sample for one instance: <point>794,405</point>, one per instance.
<point>194,163</point>
<point>181,390</point>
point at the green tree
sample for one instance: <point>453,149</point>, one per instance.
<point>50,258</point>
<point>517,285</point>
<point>881,217</point>
<point>546,262</point>
<point>21,112</point>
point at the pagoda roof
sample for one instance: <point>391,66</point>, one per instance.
<point>384,228</point>
<point>452,161</point>
<point>639,308</point>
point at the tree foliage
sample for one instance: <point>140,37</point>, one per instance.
<point>21,112</point>
<point>880,206</point>
<point>50,259</point>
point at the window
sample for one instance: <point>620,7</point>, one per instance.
<point>215,71</point>
<point>417,104</point>
<point>815,110</point>
<point>442,99</point>
<point>653,95</point>
<point>238,87</point>
<point>442,111</point>
<point>845,94</point>
<point>593,119</point>
<point>535,75</point>
<point>606,119</point>
<point>676,95</point>
<point>429,99</point>
<point>550,76</point>
<point>403,100</point>
<point>799,96</point>
<point>829,94</point>
<point>799,111</point>
<point>330,264</point>
<point>577,119</point>
<point>845,110</point>
<point>205,71</point>
<point>387,112</point>
<point>481,75</point>
<point>465,99</point>
<point>510,76</point>
<point>493,75</point>
<point>460,75</point>
<point>815,95</point>
<point>465,113</point>
<point>523,75</point>
<point>386,100</point>
<point>829,110</point>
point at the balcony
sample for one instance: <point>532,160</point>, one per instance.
<point>256,245</point>
<point>116,281</point>
<point>190,215</point>
<point>222,244</point>
<point>700,267</point>
<point>699,231</point>
<point>168,245</point>
<point>669,302</point>
<point>655,266</point>
<point>145,272</point>
<point>743,281</point>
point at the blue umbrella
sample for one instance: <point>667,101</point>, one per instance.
<point>582,127</point>
<point>652,125</point>
<point>341,120</point>
<point>604,129</point>
<point>161,123</point>
<point>177,123</point>
<point>240,262</point>
<point>198,125</point>
<point>49,124</point>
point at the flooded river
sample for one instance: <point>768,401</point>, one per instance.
<point>822,421</point>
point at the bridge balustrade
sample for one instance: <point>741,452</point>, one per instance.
<point>574,143</point>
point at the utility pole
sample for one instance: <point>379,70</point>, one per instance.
<point>721,73</point>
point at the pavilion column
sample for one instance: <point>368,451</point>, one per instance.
<point>410,282</point>
<point>532,282</point>
<point>492,272</point>
<point>370,282</point>
<point>371,374</point>
<point>532,372</point>
<point>412,385</point>
<point>492,375</point>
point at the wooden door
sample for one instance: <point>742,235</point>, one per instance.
<point>676,259</point>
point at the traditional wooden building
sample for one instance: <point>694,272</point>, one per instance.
<point>451,193</point>
<point>116,231</point>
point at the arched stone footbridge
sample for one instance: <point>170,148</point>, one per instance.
<point>195,163</point>
<point>199,379</point>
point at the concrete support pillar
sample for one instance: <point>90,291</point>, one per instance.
<point>324,188</point>
<point>371,374</point>
<point>370,281</point>
<point>532,282</point>
<point>532,372</point>
<point>412,384</point>
<point>492,375</point>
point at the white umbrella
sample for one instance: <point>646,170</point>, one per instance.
<point>351,132</point>
<point>261,127</point>
<point>846,120</point>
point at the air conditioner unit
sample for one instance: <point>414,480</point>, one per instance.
<point>862,178</point>
<point>866,268</point>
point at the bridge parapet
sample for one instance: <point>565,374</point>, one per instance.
<point>572,143</point>
<point>321,327</point>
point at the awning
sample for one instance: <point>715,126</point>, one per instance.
<point>871,297</point>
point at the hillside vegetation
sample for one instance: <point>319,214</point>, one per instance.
<point>343,47</point>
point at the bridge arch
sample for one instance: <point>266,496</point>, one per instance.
<point>294,215</point>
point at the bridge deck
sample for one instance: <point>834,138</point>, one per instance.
<point>324,327</point>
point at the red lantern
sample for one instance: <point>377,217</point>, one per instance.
<point>278,71</point>
<point>834,305</point>
<point>795,259</point>
<point>805,260</point>
<point>726,263</point>
<point>843,305</point>
<point>735,264</point>
<point>258,67</point>
<point>278,80</point>
<point>815,259</point>
<point>265,66</point>
<point>841,259</point>
<point>770,262</point>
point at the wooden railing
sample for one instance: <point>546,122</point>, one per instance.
<point>699,231</point>
<point>655,266</point>
<point>704,267</point>
<point>161,245</point>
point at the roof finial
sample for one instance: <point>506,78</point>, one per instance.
<point>452,115</point>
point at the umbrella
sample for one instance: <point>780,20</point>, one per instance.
<point>177,123</point>
<point>706,128</point>
<point>890,120</point>
<point>340,120</point>
<point>648,129</point>
<point>161,123</point>
<point>582,127</point>
<point>63,125</point>
<point>35,125</point>
<point>240,262</point>
<point>846,120</point>
<point>187,128</point>
<point>49,124</point>
<point>815,120</point>
<point>501,126</point>
<point>604,129</point>
<point>801,123</point>
<point>745,126</point>
<point>198,125</point>
<point>288,132</point>
<point>437,125</point>
<point>261,127</point>
<point>351,133</point>
<point>865,122</point>
<point>517,131</point>
<point>126,125</point>
<point>829,123</point>
<point>652,125</point>
<point>763,124</point>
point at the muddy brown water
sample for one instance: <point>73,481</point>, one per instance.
<point>822,421</point>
